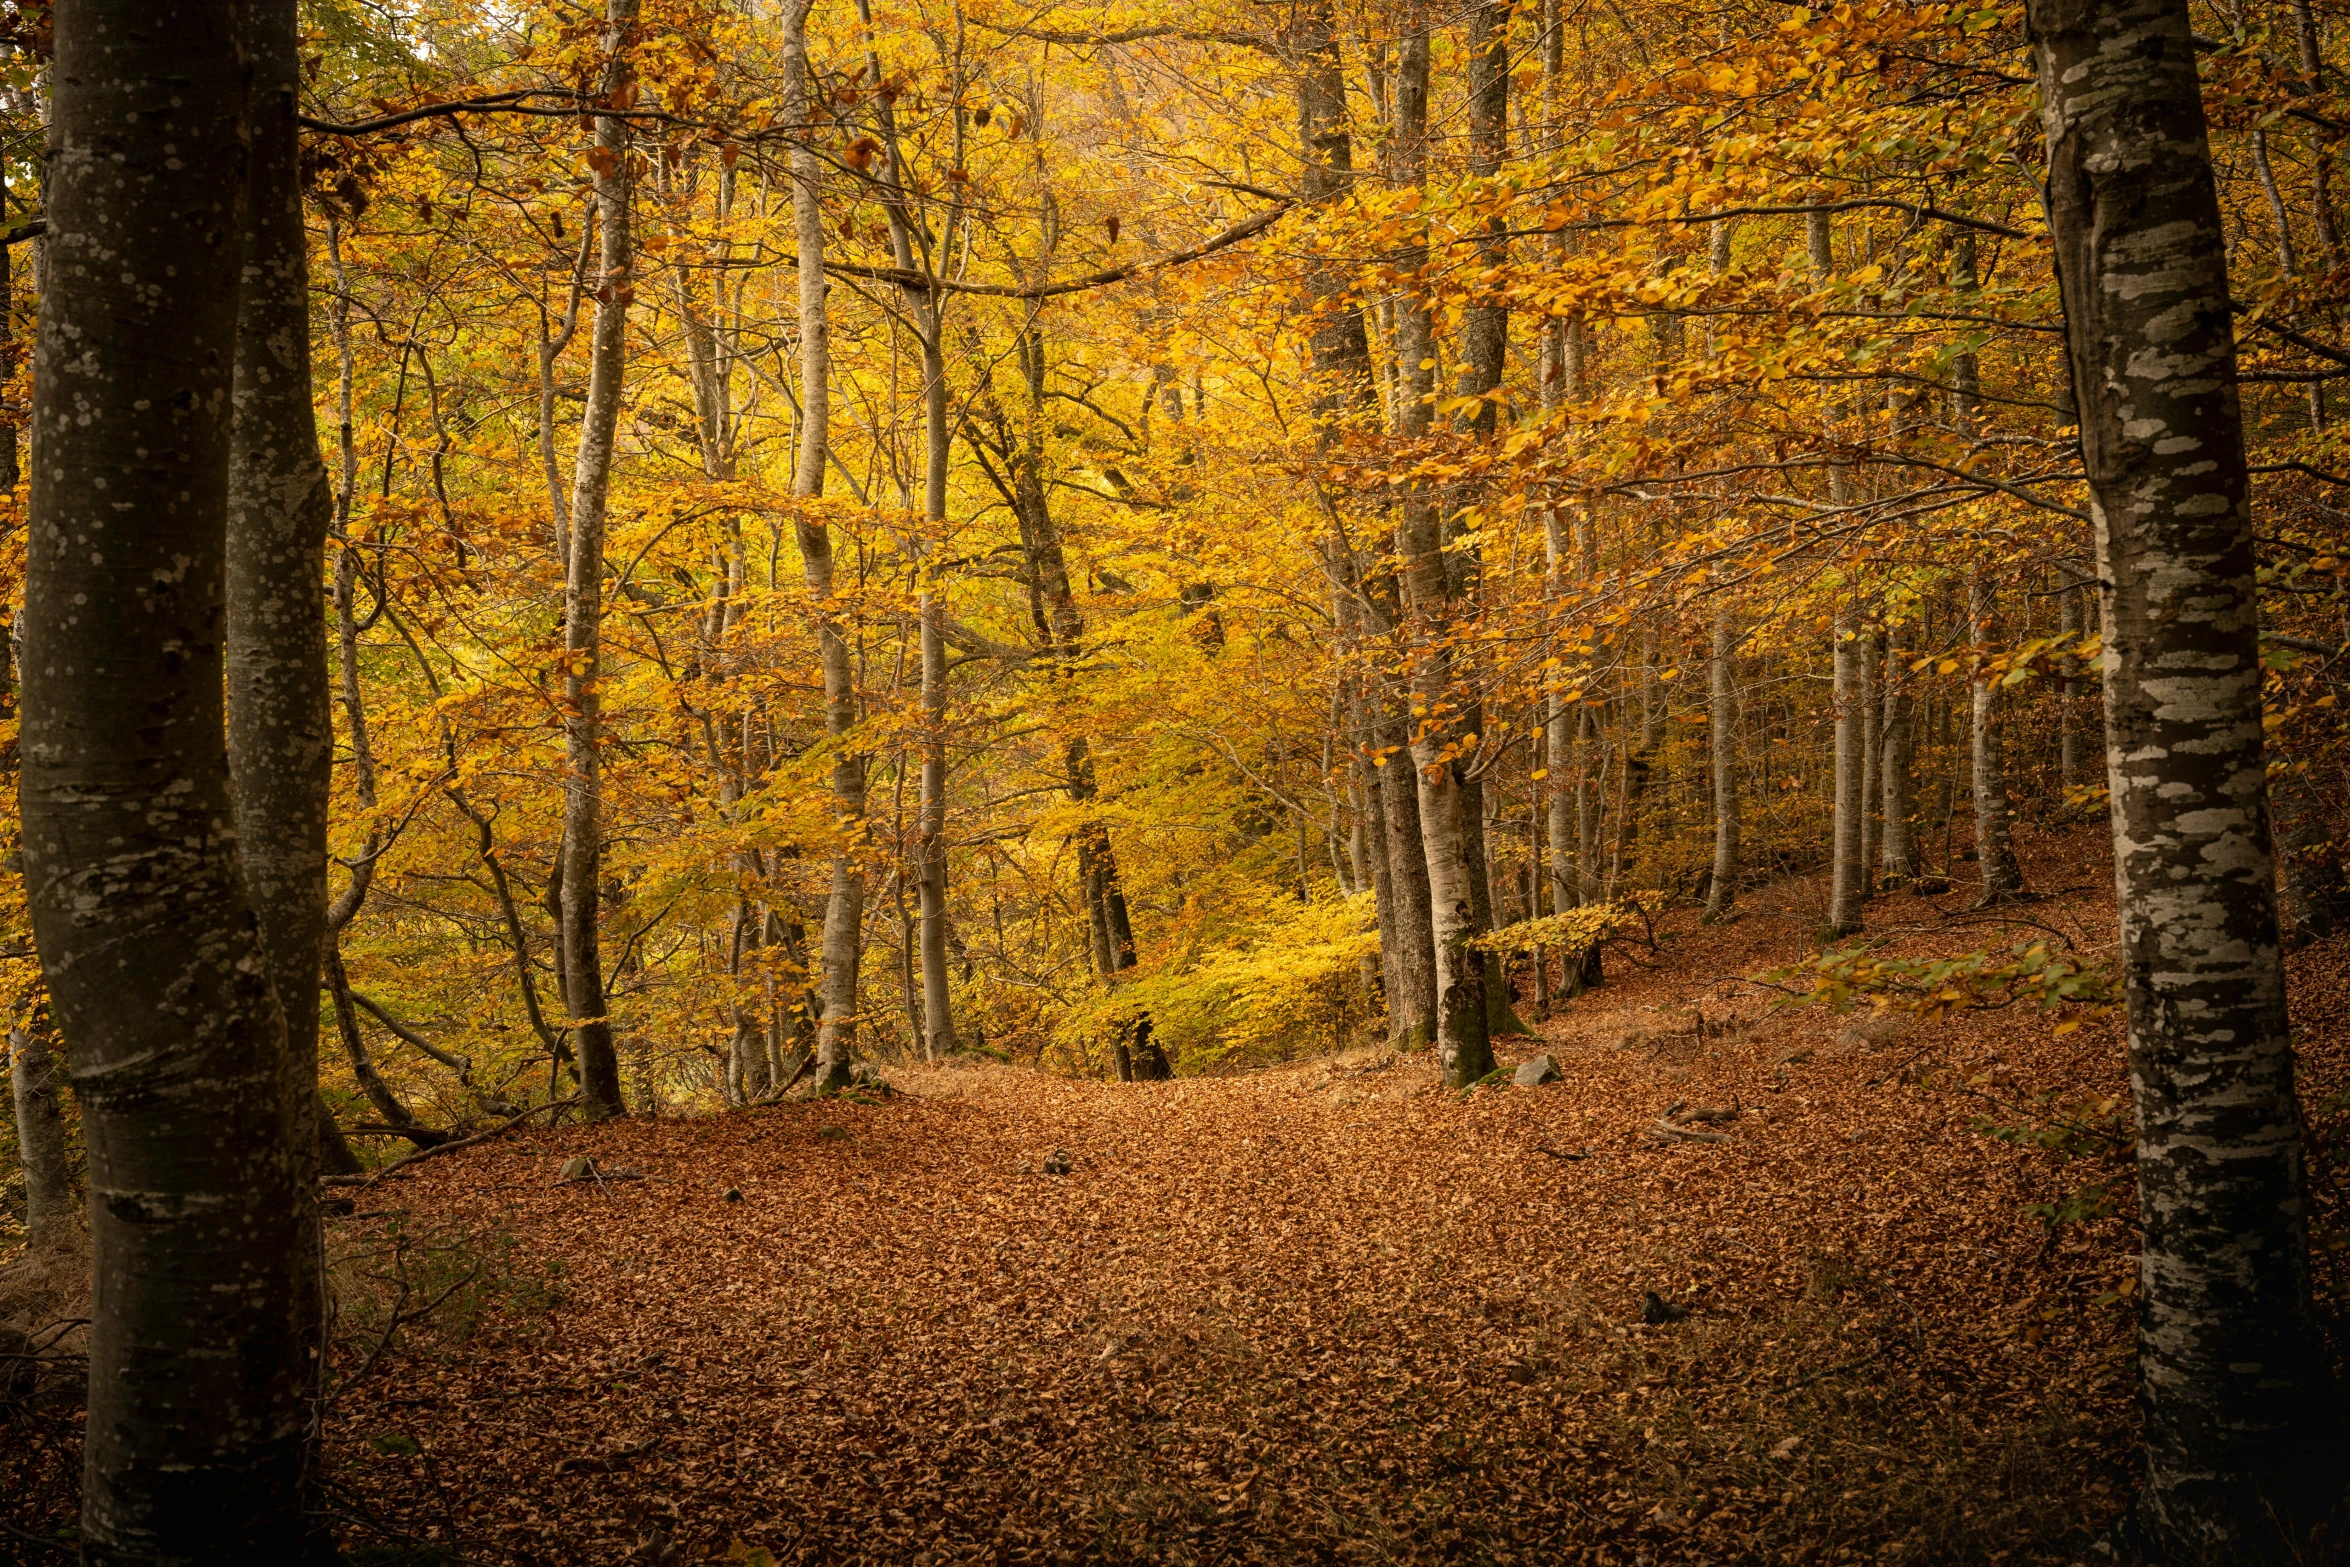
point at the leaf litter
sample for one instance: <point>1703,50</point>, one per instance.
<point>1326,1312</point>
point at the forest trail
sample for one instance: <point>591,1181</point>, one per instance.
<point>1327,1311</point>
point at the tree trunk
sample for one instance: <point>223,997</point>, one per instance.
<point>1722,895</point>
<point>2241,1416</point>
<point>1900,747</point>
<point>280,722</point>
<point>1846,871</point>
<point>844,906</point>
<point>371,1083</point>
<point>2070,763</point>
<point>2320,154</point>
<point>583,601</point>
<point>1463,1043</point>
<point>149,942</point>
<point>1872,762</point>
<point>1369,607</point>
<point>938,1017</point>
<point>34,1081</point>
<point>1411,997</point>
<point>1994,845</point>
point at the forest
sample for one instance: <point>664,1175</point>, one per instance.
<point>1242,781</point>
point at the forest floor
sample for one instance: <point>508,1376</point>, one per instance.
<point>1321,1312</point>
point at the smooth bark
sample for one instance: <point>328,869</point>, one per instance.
<point>2243,1426</point>
<point>1463,1047</point>
<point>1846,871</point>
<point>150,945</point>
<point>583,598</point>
<point>35,1080</point>
<point>844,905</point>
<point>1995,858</point>
<point>1898,789</point>
<point>280,721</point>
<point>1722,694</point>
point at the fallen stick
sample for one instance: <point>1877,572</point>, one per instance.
<point>597,1173</point>
<point>1670,1133</point>
<point>1561,1153</point>
<point>775,1095</point>
<point>499,1130</point>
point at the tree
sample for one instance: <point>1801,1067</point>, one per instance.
<point>155,961</point>
<point>844,909</point>
<point>2241,1416</point>
<point>34,1081</point>
<point>1446,806</point>
<point>583,594</point>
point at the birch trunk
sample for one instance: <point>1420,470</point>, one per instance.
<point>2242,1423</point>
<point>149,942</point>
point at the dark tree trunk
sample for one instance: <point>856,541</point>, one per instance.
<point>1148,1057</point>
<point>1348,395</point>
<point>34,1082</point>
<point>149,942</point>
<point>2241,1416</point>
<point>371,1083</point>
<point>280,724</point>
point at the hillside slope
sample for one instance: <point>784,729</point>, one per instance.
<point>1328,1312</point>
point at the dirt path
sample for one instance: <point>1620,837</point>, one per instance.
<point>1327,1312</point>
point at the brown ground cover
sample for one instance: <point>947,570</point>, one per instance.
<point>1325,1312</point>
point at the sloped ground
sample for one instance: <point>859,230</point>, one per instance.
<point>1323,1313</point>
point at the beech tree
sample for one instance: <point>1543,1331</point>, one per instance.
<point>2244,1428</point>
<point>155,961</point>
<point>582,875</point>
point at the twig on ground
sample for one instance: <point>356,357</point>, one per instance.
<point>419,1157</point>
<point>1666,1131</point>
<point>62,1547</point>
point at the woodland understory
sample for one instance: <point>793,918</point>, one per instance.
<point>799,778</point>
